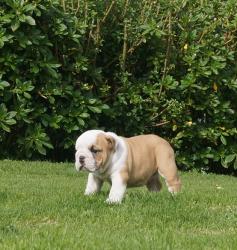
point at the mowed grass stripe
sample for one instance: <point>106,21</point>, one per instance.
<point>42,206</point>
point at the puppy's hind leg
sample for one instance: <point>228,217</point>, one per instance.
<point>154,183</point>
<point>167,169</point>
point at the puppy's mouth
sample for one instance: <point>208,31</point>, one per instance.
<point>83,167</point>
<point>80,167</point>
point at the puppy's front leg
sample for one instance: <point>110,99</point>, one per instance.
<point>94,184</point>
<point>117,190</point>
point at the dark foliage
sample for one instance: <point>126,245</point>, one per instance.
<point>164,67</point>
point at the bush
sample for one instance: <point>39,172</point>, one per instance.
<point>44,102</point>
<point>166,67</point>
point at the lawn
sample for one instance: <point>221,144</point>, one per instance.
<point>42,206</point>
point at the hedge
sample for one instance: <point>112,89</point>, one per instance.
<point>164,67</point>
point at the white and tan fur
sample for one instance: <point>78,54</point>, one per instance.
<point>125,162</point>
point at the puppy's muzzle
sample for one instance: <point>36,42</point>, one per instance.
<point>82,159</point>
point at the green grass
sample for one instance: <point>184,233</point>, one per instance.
<point>42,206</point>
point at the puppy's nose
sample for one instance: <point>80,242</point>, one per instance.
<point>81,159</point>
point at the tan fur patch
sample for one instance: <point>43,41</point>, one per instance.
<point>104,146</point>
<point>149,155</point>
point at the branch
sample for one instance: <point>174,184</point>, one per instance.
<point>95,34</point>
<point>64,5</point>
<point>167,53</point>
<point>125,37</point>
<point>86,12</point>
<point>78,7</point>
<point>135,45</point>
<point>162,111</point>
<point>124,54</point>
<point>107,11</point>
<point>161,124</point>
<point>143,19</point>
<point>125,8</point>
<point>158,124</point>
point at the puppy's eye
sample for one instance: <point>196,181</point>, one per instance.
<point>94,150</point>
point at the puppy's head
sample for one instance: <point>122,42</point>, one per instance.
<point>94,149</point>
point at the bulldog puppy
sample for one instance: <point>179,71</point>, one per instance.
<point>125,162</point>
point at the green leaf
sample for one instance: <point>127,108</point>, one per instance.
<point>92,101</point>
<point>11,114</point>
<point>15,25</point>
<point>10,121</point>
<point>53,72</point>
<point>84,115</point>
<point>3,109</point>
<point>4,84</point>
<point>211,156</point>
<point>48,145</point>
<point>29,87</point>
<point>81,122</point>
<point>230,158</point>
<point>235,163</point>
<point>30,20</point>
<point>224,164</point>
<point>54,65</point>
<point>1,43</point>
<point>29,7</point>
<point>27,95</point>
<point>223,140</point>
<point>105,106</point>
<point>51,99</point>
<point>41,150</point>
<point>34,69</point>
<point>75,128</point>
<point>4,127</point>
<point>94,109</point>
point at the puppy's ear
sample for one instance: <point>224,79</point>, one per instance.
<point>111,142</point>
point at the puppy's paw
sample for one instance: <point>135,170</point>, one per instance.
<point>173,191</point>
<point>89,192</point>
<point>113,200</point>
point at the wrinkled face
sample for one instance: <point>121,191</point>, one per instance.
<point>93,151</point>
